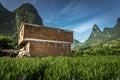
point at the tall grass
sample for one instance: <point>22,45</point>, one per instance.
<point>61,68</point>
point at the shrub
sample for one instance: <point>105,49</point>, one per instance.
<point>5,42</point>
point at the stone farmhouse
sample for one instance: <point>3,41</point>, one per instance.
<point>40,41</point>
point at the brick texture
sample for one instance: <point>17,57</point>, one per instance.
<point>47,33</point>
<point>40,49</point>
<point>49,49</point>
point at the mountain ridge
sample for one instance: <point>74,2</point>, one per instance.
<point>95,31</point>
<point>11,20</point>
<point>108,34</point>
<point>27,13</point>
<point>98,37</point>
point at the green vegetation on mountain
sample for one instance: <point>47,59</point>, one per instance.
<point>115,44</point>
<point>97,37</point>
<point>11,21</point>
<point>28,14</point>
<point>109,48</point>
<point>100,43</point>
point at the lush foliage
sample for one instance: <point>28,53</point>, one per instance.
<point>96,51</point>
<point>5,42</point>
<point>109,48</point>
<point>61,68</point>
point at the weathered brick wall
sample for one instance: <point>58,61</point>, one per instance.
<point>40,49</point>
<point>47,33</point>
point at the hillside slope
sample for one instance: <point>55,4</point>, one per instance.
<point>11,21</point>
<point>97,37</point>
<point>113,44</point>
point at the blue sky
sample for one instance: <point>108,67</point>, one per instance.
<point>76,15</point>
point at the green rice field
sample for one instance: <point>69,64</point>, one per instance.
<point>61,68</point>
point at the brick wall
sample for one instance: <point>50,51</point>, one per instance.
<point>49,49</point>
<point>45,48</point>
<point>47,33</point>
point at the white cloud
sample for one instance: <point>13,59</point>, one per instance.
<point>67,8</point>
<point>73,7</point>
<point>80,28</point>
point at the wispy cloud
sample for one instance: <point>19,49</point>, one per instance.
<point>81,15</point>
<point>76,15</point>
<point>83,30</point>
<point>82,10</point>
<point>72,10</point>
<point>66,8</point>
<point>75,11</point>
<point>49,17</point>
<point>80,28</point>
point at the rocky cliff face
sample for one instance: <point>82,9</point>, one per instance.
<point>11,21</point>
<point>97,37</point>
<point>95,31</point>
<point>28,14</point>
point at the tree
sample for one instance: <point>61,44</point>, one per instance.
<point>5,42</point>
